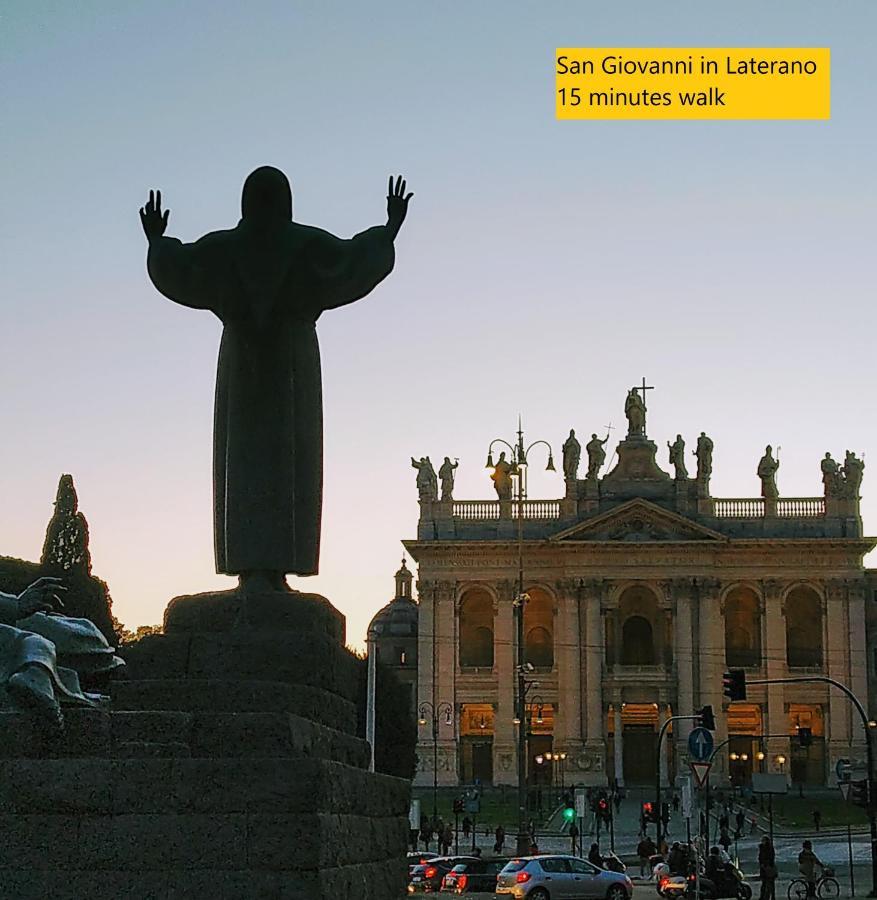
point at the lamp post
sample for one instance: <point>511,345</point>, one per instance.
<point>518,471</point>
<point>434,711</point>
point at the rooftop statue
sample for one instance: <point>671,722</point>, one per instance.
<point>502,478</point>
<point>853,471</point>
<point>268,280</point>
<point>635,410</point>
<point>832,479</point>
<point>427,483</point>
<point>767,471</point>
<point>677,457</point>
<point>572,454</point>
<point>704,454</point>
<point>446,474</point>
<point>43,654</point>
<point>596,455</point>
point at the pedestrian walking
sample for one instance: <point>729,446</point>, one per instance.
<point>467,826</point>
<point>616,800</point>
<point>739,821</point>
<point>574,836</point>
<point>499,834</point>
<point>645,849</point>
<point>817,819</point>
<point>767,869</point>
<point>595,857</point>
<point>447,840</point>
<point>807,863</point>
<point>724,839</point>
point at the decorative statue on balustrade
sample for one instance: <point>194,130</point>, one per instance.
<point>572,453</point>
<point>596,455</point>
<point>635,410</point>
<point>704,454</point>
<point>446,474</point>
<point>427,483</point>
<point>502,478</point>
<point>677,457</point>
<point>767,472</point>
<point>842,481</point>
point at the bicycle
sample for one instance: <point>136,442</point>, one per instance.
<point>827,887</point>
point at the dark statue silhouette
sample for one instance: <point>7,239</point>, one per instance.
<point>268,280</point>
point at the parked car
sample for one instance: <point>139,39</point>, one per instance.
<point>426,878</point>
<point>474,875</point>
<point>559,876</point>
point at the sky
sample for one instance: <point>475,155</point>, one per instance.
<point>545,266</point>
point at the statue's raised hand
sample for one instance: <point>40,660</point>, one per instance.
<point>153,220</point>
<point>397,204</point>
<point>44,595</point>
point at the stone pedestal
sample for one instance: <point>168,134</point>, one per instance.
<point>228,766</point>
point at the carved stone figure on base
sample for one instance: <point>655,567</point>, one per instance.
<point>43,654</point>
<point>427,483</point>
<point>677,457</point>
<point>446,474</point>
<point>596,455</point>
<point>268,280</point>
<point>502,478</point>
<point>704,454</point>
<point>853,471</point>
<point>767,471</point>
<point>832,480</point>
<point>572,453</point>
<point>635,410</point>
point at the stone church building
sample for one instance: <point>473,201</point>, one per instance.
<point>641,589</point>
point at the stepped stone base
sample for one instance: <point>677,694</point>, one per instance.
<point>228,766</point>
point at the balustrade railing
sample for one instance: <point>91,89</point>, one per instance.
<point>738,507</point>
<point>476,509</point>
<point>473,510</point>
<point>801,507</point>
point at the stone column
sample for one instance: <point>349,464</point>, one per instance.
<point>591,602</point>
<point>504,730</point>
<point>776,666</point>
<point>663,715</point>
<point>619,746</point>
<point>711,657</point>
<point>427,593</point>
<point>681,591</point>
<point>445,675</point>
<point>567,720</point>
<point>838,634</point>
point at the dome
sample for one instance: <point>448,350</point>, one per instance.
<point>399,617</point>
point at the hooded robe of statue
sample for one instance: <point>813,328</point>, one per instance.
<point>268,280</point>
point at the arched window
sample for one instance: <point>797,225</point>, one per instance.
<point>637,642</point>
<point>539,629</point>
<point>742,628</point>
<point>803,628</point>
<point>476,629</point>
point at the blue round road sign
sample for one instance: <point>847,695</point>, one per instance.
<point>700,744</point>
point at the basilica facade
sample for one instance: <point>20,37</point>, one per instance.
<point>639,590</point>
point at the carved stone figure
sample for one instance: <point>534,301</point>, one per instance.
<point>572,453</point>
<point>427,483</point>
<point>853,471</point>
<point>635,410</point>
<point>832,480</point>
<point>596,455</point>
<point>268,280</point>
<point>677,457</point>
<point>704,454</point>
<point>43,654</point>
<point>767,470</point>
<point>502,478</point>
<point>446,473</point>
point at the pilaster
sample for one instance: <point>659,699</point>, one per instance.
<point>568,721</point>
<point>681,591</point>
<point>504,771</point>
<point>774,655</point>
<point>711,654</point>
<point>594,649</point>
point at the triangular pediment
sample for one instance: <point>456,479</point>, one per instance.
<point>638,521</point>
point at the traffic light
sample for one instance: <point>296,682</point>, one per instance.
<point>805,737</point>
<point>458,806</point>
<point>603,809</point>
<point>569,809</point>
<point>859,793</point>
<point>649,812</point>
<point>734,684</point>
<point>707,719</point>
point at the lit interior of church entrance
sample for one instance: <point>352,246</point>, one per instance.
<point>476,743</point>
<point>639,733</point>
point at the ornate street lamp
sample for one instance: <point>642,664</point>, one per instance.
<point>518,471</point>
<point>433,712</point>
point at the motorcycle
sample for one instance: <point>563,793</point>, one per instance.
<point>612,863</point>
<point>731,885</point>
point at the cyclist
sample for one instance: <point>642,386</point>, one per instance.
<point>807,863</point>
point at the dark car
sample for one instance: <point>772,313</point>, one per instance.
<point>474,875</point>
<point>426,878</point>
<point>417,858</point>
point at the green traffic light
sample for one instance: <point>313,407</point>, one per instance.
<point>569,813</point>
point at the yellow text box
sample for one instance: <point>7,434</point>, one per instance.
<point>693,83</point>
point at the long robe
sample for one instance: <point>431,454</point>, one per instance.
<point>269,287</point>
